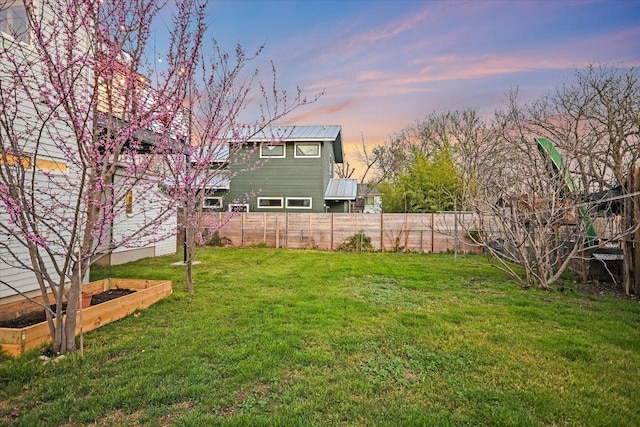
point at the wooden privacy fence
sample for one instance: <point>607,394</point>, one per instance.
<point>432,232</point>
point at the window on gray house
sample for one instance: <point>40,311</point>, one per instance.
<point>13,20</point>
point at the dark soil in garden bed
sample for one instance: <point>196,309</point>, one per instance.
<point>35,317</point>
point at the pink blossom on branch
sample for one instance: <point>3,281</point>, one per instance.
<point>84,121</point>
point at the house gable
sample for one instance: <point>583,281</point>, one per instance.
<point>295,166</point>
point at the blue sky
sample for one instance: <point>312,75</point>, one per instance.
<point>385,64</point>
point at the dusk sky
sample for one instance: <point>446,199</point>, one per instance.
<point>385,64</point>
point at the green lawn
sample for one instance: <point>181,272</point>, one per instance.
<point>279,337</point>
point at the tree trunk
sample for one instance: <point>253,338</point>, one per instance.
<point>58,337</point>
<point>631,247</point>
<point>72,308</point>
<point>189,242</point>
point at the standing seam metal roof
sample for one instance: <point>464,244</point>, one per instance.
<point>331,133</point>
<point>291,133</point>
<point>341,189</point>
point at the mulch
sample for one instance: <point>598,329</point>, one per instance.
<point>39,316</point>
<point>596,288</point>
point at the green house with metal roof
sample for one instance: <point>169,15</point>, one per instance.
<point>285,169</point>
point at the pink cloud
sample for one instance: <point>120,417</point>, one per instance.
<point>394,28</point>
<point>313,113</point>
<point>568,55</point>
<point>372,75</point>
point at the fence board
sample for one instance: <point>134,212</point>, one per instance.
<point>327,231</point>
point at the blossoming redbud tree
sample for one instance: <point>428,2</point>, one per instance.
<point>85,116</point>
<point>92,123</point>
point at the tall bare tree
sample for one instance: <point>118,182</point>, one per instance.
<point>530,216</point>
<point>465,134</point>
<point>366,157</point>
<point>594,119</point>
<point>541,214</point>
<point>537,220</point>
<point>345,170</point>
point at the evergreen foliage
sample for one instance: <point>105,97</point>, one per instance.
<point>429,184</point>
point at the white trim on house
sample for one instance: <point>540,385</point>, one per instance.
<point>206,203</point>
<point>300,154</point>
<point>307,202</point>
<point>238,207</point>
<point>264,155</point>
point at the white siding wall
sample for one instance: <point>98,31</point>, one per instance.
<point>55,198</point>
<point>59,194</point>
<point>168,245</point>
<point>148,205</point>
<point>53,190</point>
<point>21,279</point>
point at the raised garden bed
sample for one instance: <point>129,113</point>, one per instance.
<point>112,299</point>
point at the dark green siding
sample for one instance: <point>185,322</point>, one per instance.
<point>288,177</point>
<point>327,161</point>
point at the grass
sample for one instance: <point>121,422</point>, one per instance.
<point>278,337</point>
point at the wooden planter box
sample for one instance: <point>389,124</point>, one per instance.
<point>16,341</point>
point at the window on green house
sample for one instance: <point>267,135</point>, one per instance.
<point>307,149</point>
<point>299,202</point>
<point>238,207</point>
<point>270,202</point>
<point>212,203</point>
<point>272,150</point>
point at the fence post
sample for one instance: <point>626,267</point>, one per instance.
<point>332,225</point>
<point>264,228</point>
<point>286,230</point>
<point>631,242</point>
<point>455,231</point>
<point>309,233</point>
<point>636,233</point>
<point>277,232</point>
<point>406,232</point>
<point>432,230</point>
<point>381,232</point>
<point>242,229</point>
